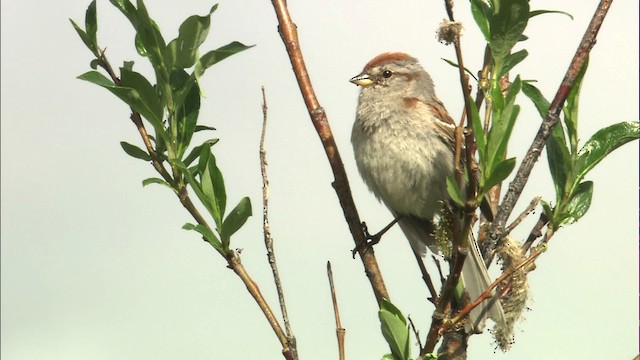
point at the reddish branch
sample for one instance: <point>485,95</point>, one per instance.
<point>487,293</point>
<point>289,35</point>
<point>496,231</point>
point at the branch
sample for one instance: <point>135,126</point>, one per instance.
<point>527,211</point>
<point>461,228</point>
<point>496,231</point>
<point>416,333</point>
<point>234,263</point>
<point>137,120</point>
<point>288,33</point>
<point>427,279</point>
<point>233,260</point>
<point>535,233</point>
<point>340,331</point>
<point>268,239</point>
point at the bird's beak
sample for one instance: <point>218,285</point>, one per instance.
<point>362,80</point>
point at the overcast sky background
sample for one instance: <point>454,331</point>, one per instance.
<point>96,267</point>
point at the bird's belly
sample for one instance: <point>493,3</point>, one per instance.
<point>408,179</point>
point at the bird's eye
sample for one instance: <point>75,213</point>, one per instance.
<point>387,74</point>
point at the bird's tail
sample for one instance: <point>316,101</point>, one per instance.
<point>475,277</point>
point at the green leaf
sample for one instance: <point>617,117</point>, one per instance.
<point>454,191</point>
<point>497,99</point>
<point>83,36</point>
<point>212,184</point>
<point>207,234</point>
<point>395,330</point>
<point>579,203</point>
<point>149,181</point>
<point>204,127</point>
<point>151,39</point>
<point>532,92</point>
<point>234,221</point>
<point>88,37</point>
<point>130,96</point>
<point>91,25</point>
<point>478,133</point>
<point>507,25</point>
<point>502,125</point>
<point>187,119</point>
<point>500,171</point>
<point>215,56</point>
<point>148,93</point>
<point>135,151</point>
<point>540,12</point>
<point>571,109</point>
<point>182,52</point>
<point>547,210</point>
<point>128,65</point>
<point>559,161</point>
<point>195,153</point>
<point>94,64</point>
<point>206,61</point>
<point>482,14</point>
<point>455,65</point>
<point>602,143</point>
<point>511,61</point>
<point>387,357</point>
<point>127,8</point>
<point>195,185</point>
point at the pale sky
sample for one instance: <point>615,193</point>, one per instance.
<point>96,267</point>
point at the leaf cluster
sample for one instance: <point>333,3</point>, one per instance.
<point>568,164</point>
<point>170,104</point>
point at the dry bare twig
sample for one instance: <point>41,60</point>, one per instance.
<point>268,239</point>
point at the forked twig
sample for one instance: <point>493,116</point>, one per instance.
<point>523,215</point>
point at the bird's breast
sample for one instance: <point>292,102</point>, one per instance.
<point>405,167</point>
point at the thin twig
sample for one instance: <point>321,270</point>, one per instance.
<point>522,176</point>
<point>289,35</point>
<point>523,215</point>
<point>234,263</point>
<point>268,239</point>
<point>427,279</point>
<point>535,233</point>
<point>340,331</point>
<point>416,333</point>
<point>437,262</point>
<point>373,239</point>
